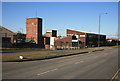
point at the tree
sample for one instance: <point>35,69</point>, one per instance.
<point>20,37</point>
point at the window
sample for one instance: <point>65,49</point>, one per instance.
<point>62,42</point>
<point>67,42</point>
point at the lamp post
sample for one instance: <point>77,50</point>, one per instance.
<point>99,29</point>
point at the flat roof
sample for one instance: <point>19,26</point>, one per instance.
<point>50,30</point>
<point>85,32</point>
<point>34,18</point>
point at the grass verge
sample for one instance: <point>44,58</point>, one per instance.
<point>42,55</point>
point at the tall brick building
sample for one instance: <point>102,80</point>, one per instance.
<point>34,30</point>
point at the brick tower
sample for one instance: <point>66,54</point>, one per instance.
<point>34,30</point>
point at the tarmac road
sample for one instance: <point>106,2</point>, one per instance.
<point>94,65</point>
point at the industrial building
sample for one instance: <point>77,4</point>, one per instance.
<point>87,38</point>
<point>7,37</point>
<point>49,39</point>
<point>73,39</point>
<point>113,41</point>
<point>68,42</point>
<point>79,39</point>
<point>51,33</point>
<point>34,33</point>
<point>34,30</point>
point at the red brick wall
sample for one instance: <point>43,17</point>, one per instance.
<point>82,39</point>
<point>44,41</point>
<point>32,27</point>
<point>47,46</point>
<point>65,39</point>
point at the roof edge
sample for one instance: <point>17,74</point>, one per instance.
<point>84,31</point>
<point>7,29</point>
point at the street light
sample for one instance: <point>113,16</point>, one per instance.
<point>99,29</point>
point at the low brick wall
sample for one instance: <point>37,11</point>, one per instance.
<point>47,46</point>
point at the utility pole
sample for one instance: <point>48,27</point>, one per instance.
<point>99,33</point>
<point>99,29</point>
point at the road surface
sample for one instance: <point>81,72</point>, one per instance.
<point>93,65</point>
